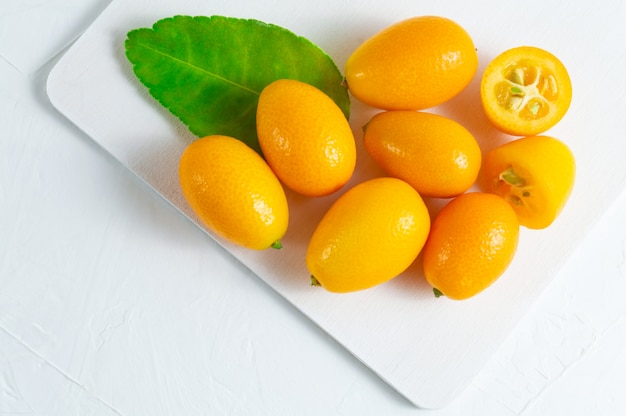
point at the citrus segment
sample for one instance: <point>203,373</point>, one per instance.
<point>534,174</point>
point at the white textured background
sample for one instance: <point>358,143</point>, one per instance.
<point>70,213</point>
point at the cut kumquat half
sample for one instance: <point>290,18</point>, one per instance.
<point>535,175</point>
<point>525,91</point>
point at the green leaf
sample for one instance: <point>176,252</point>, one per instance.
<point>209,71</point>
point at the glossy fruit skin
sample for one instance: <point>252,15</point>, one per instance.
<point>371,234</point>
<point>434,154</point>
<point>305,138</point>
<point>534,174</point>
<point>233,191</point>
<point>472,241</point>
<point>525,91</point>
<point>414,64</point>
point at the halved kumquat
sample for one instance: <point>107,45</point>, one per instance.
<point>525,91</point>
<point>534,174</point>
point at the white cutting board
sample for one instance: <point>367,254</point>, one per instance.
<point>428,349</point>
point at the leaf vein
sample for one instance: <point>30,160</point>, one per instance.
<point>198,68</point>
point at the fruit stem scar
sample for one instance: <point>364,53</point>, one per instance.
<point>277,245</point>
<point>314,281</point>
<point>438,293</point>
<point>510,177</point>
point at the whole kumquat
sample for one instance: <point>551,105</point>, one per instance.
<point>371,234</point>
<point>472,241</point>
<point>414,64</point>
<point>434,154</point>
<point>305,138</point>
<point>234,192</point>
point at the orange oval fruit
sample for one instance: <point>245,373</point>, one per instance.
<point>434,154</point>
<point>525,91</point>
<point>371,234</point>
<point>234,192</point>
<point>534,174</point>
<point>305,138</point>
<point>472,241</point>
<point>414,64</point>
